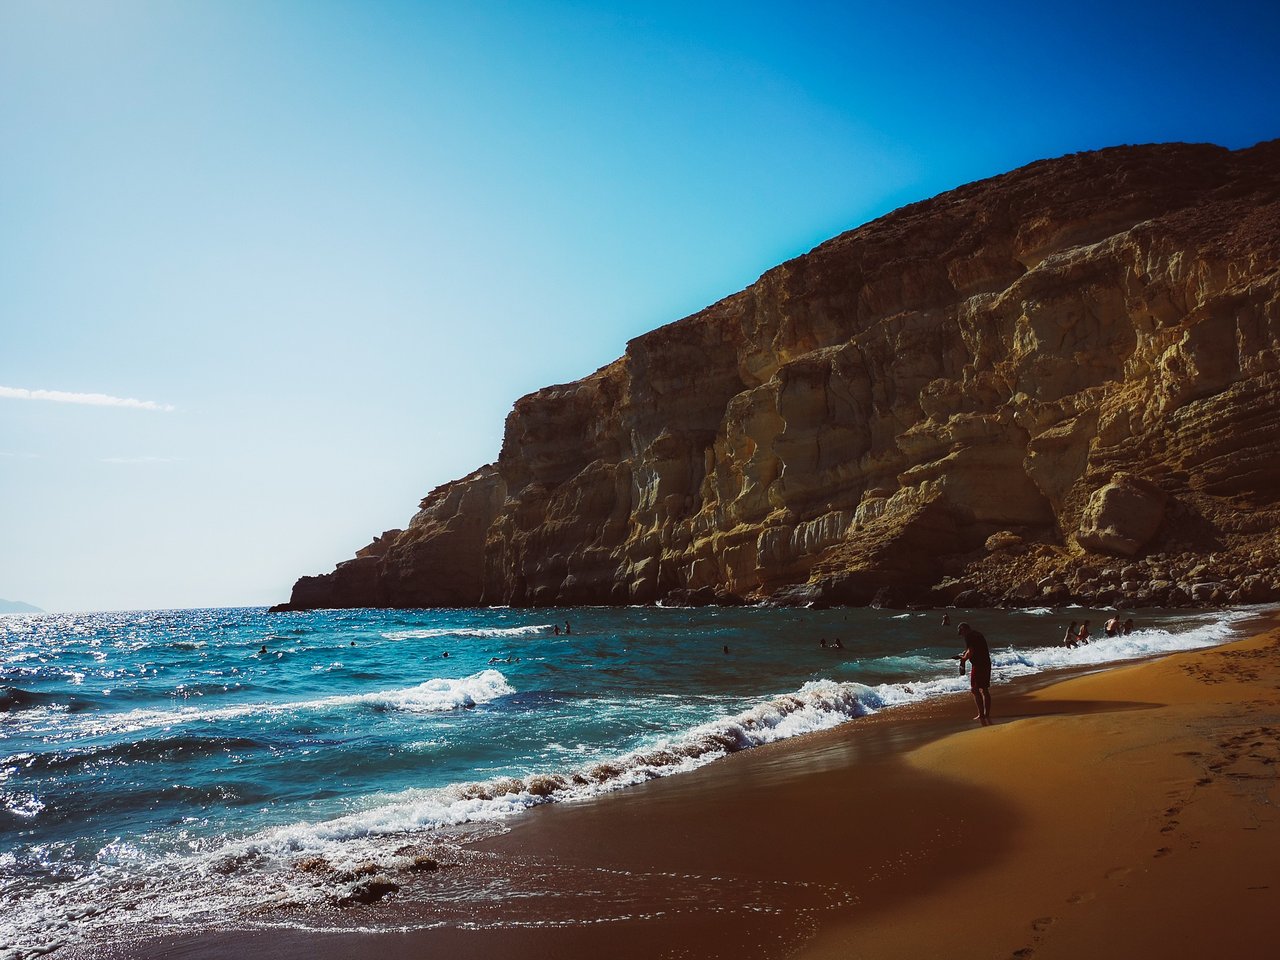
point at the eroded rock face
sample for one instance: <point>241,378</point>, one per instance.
<point>1082,356</point>
<point>1122,517</point>
<point>437,560</point>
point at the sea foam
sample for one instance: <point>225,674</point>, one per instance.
<point>261,867</point>
<point>432,696</point>
<point>816,705</point>
<point>487,633</point>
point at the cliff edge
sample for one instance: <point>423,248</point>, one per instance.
<point>1058,384</point>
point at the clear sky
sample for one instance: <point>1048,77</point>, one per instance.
<point>321,247</point>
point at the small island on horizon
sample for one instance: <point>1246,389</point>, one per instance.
<point>1058,385</point>
<point>17,606</point>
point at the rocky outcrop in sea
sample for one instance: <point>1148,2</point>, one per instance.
<point>1060,384</point>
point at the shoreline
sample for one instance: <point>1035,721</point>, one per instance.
<point>1148,819</point>
<point>760,604</point>
<point>806,846</point>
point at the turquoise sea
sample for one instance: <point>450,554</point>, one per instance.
<point>172,765</point>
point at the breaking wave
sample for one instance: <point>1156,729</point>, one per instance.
<point>432,696</point>
<point>1103,649</point>
<point>817,705</point>
<point>479,632</point>
<point>265,867</point>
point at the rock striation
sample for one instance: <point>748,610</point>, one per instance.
<point>1058,384</point>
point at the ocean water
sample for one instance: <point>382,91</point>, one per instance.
<point>171,766</point>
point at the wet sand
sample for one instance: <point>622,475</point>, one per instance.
<point>1110,815</point>
<point>1147,827</point>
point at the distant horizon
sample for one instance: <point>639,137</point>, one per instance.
<point>270,274</point>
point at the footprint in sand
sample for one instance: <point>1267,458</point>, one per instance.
<point>1041,924</point>
<point>1118,873</point>
<point>1083,897</point>
<point>1163,852</point>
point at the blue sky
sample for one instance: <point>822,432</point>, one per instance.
<point>325,245</point>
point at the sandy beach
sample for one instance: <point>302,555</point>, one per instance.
<point>1145,820</point>
<point>1119,813</point>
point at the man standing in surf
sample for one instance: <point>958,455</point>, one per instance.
<point>978,655</point>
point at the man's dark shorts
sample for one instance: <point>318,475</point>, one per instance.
<point>979,674</point>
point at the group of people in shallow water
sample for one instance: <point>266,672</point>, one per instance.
<point>1114,628</point>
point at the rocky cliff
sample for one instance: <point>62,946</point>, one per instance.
<point>1060,383</point>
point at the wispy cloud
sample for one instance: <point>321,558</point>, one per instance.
<point>91,399</point>
<point>141,459</point>
<point>19,456</point>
